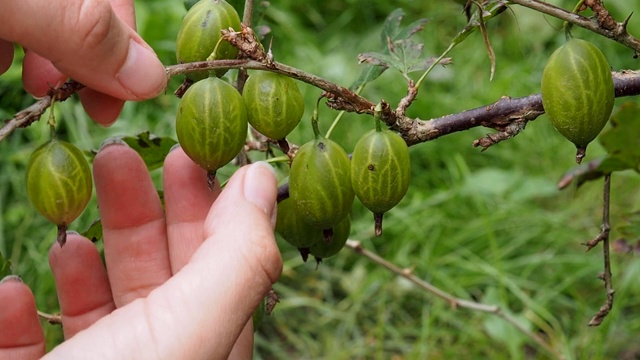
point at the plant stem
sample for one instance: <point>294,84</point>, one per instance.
<point>452,300</point>
<point>604,238</point>
<point>314,120</point>
<point>376,117</point>
<point>53,319</point>
<point>618,34</point>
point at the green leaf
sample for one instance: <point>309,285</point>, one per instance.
<point>5,267</point>
<point>392,33</point>
<point>621,140</point>
<point>94,232</point>
<point>152,149</point>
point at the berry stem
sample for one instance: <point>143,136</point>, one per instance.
<point>582,150</point>
<point>314,120</point>
<point>377,114</point>
<point>52,120</point>
<point>211,179</point>
<point>62,235</point>
<point>377,220</point>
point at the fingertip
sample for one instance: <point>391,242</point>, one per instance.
<point>81,282</point>
<point>101,108</point>
<point>260,186</point>
<point>21,336</point>
<point>39,75</point>
<point>6,55</point>
<point>74,240</point>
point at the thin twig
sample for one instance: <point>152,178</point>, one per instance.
<point>618,33</point>
<point>247,19</point>
<point>32,113</point>
<point>452,300</point>
<point>247,16</point>
<point>604,238</point>
<point>54,319</point>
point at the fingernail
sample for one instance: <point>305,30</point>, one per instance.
<point>111,141</point>
<point>9,278</point>
<point>259,174</point>
<point>72,232</point>
<point>142,73</point>
<point>176,146</point>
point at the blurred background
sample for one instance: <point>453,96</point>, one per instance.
<point>487,226</point>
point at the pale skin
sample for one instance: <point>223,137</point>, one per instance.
<point>180,282</point>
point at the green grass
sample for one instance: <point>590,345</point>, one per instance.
<point>488,226</point>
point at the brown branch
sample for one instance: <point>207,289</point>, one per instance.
<point>31,114</point>
<point>452,300</point>
<point>350,100</point>
<point>499,115</point>
<point>616,31</point>
<point>504,112</point>
<point>603,17</point>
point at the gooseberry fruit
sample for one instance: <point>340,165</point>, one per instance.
<point>320,183</point>
<point>578,92</point>
<point>323,249</point>
<point>211,123</point>
<point>274,103</point>
<point>380,171</point>
<point>59,183</point>
<point>199,35</point>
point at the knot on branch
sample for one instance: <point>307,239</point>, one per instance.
<point>605,20</point>
<point>248,43</point>
<point>508,132</point>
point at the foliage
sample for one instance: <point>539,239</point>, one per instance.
<point>485,226</point>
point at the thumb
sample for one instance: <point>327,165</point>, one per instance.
<point>86,41</point>
<point>201,311</point>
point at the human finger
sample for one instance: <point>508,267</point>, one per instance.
<point>187,201</point>
<point>243,348</point>
<point>101,108</point>
<point>135,239</point>
<point>6,55</point>
<point>81,282</point>
<point>200,312</point>
<point>89,43</point>
<point>39,76</point>
<point>21,335</point>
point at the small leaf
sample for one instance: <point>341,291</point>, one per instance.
<point>392,31</point>
<point>94,232</point>
<point>151,148</point>
<point>621,140</point>
<point>5,267</point>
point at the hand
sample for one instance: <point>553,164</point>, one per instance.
<point>182,283</point>
<point>93,42</point>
